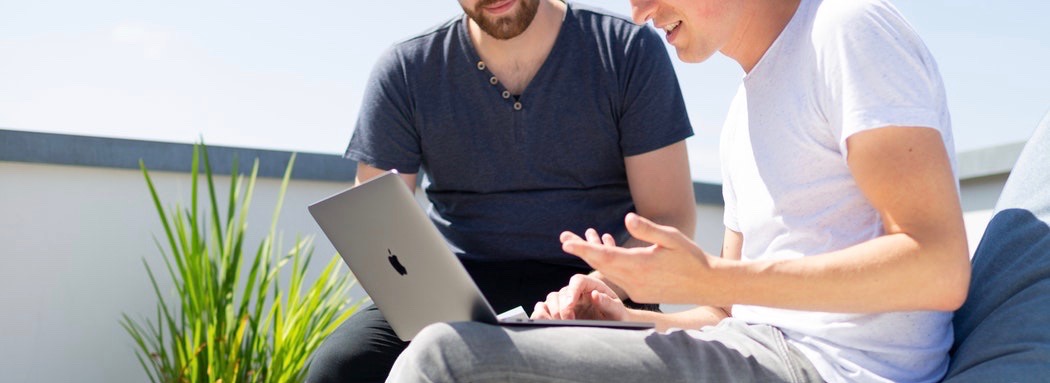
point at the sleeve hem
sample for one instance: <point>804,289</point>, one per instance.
<point>654,145</point>
<point>402,167</point>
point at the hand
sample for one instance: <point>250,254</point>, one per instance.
<point>672,270</point>
<point>585,297</point>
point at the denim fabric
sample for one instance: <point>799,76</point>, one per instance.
<point>1001,332</point>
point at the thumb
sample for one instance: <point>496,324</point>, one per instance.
<point>648,231</point>
<point>609,307</point>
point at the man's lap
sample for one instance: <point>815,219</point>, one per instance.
<point>732,351</point>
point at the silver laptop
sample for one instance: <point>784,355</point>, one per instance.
<point>405,265</point>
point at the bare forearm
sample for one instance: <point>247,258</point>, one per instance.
<point>694,318</point>
<point>891,273</point>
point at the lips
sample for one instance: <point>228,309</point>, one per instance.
<point>671,30</point>
<point>499,6</point>
<point>671,27</point>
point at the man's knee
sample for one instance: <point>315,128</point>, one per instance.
<point>434,344</point>
<point>438,353</point>
<point>362,349</point>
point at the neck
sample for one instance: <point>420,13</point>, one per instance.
<point>761,23</point>
<point>544,27</point>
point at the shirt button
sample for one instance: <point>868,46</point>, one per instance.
<point>506,94</point>
<point>481,65</point>
<point>517,105</point>
<point>493,80</point>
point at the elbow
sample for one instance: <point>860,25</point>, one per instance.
<point>957,294</point>
<point>953,285</point>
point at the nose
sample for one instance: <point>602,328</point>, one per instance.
<point>642,10</point>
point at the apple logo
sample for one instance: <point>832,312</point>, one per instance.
<point>397,265</point>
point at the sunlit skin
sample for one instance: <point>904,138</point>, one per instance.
<point>741,30</point>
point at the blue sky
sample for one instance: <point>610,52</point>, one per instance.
<point>290,75</point>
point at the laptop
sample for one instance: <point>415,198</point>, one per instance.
<point>404,264</point>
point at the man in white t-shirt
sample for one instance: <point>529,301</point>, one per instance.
<point>844,252</point>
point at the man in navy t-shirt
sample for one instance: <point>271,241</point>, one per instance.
<point>529,118</point>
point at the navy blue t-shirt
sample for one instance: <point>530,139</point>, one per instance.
<point>508,173</point>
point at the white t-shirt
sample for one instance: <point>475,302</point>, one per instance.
<point>839,67</point>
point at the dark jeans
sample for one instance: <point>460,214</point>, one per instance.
<point>1000,332</point>
<point>364,347</point>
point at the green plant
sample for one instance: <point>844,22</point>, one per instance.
<point>224,328</point>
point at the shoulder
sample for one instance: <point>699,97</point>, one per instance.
<point>854,10</point>
<point>424,44</point>
<point>601,18</point>
<point>863,28</point>
<point>835,17</point>
<point>610,28</point>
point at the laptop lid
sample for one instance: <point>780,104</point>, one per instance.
<point>400,259</point>
<point>404,264</point>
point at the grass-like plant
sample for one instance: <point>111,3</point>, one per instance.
<point>223,326</point>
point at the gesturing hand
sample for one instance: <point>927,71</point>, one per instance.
<point>672,270</point>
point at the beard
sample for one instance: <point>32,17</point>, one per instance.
<point>505,27</point>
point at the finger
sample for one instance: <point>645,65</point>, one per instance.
<point>568,236</point>
<point>603,299</point>
<point>608,240</point>
<point>567,297</point>
<point>592,236</point>
<point>577,281</point>
<point>607,305</point>
<point>540,311</point>
<point>553,303</point>
<point>648,231</point>
<point>574,293</point>
<point>599,253</point>
<point>594,255</point>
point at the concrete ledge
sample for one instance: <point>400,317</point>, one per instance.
<point>996,160</point>
<point>708,194</point>
<point>63,149</point>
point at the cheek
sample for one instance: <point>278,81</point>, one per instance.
<point>710,23</point>
<point>708,15</point>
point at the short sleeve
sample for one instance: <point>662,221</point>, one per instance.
<point>729,217</point>
<point>653,112</point>
<point>385,136</point>
<point>878,70</point>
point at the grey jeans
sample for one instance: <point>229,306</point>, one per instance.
<point>733,351</point>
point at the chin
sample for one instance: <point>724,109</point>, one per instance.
<point>692,57</point>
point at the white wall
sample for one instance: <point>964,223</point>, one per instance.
<point>71,240</point>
